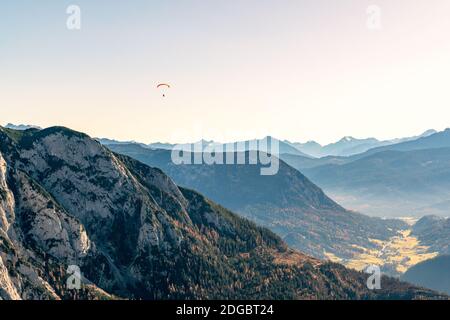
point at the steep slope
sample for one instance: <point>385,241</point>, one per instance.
<point>287,203</point>
<point>390,182</point>
<point>434,232</point>
<point>66,200</point>
<point>433,274</point>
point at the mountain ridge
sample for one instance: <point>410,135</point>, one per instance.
<point>403,182</point>
<point>350,146</point>
<point>288,203</point>
<point>65,199</point>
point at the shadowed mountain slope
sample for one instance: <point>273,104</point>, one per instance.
<point>394,182</point>
<point>287,203</point>
<point>433,274</point>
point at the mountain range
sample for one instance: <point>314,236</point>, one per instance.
<point>395,178</point>
<point>287,203</point>
<point>390,182</point>
<point>346,146</point>
<point>21,127</point>
<point>349,146</point>
<point>66,200</point>
<point>238,146</point>
<point>403,179</point>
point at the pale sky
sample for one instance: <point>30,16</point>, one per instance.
<point>239,69</point>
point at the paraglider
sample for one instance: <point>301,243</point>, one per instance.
<point>163,85</point>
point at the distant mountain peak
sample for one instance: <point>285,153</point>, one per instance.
<point>21,127</point>
<point>313,142</point>
<point>428,133</point>
<point>353,139</point>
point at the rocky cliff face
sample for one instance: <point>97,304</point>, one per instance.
<point>67,202</point>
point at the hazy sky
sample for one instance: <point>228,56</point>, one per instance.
<point>239,69</point>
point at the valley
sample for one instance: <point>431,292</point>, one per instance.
<point>395,256</point>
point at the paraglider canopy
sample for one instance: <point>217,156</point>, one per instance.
<point>163,85</point>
